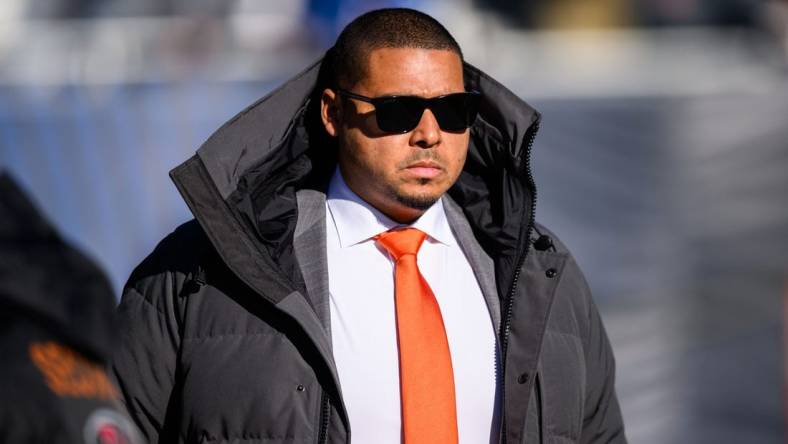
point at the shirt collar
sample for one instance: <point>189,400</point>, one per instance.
<point>357,221</point>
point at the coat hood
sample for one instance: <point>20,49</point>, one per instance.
<point>241,183</point>
<point>44,279</point>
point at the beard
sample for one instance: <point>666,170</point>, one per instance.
<point>420,201</point>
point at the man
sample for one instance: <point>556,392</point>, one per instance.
<point>365,263</point>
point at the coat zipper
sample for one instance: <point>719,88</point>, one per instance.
<point>510,298</point>
<point>322,436</point>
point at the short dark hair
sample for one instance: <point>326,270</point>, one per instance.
<point>384,28</point>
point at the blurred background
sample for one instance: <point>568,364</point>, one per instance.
<point>662,160</point>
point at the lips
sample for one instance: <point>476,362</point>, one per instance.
<point>425,164</point>
<point>425,169</point>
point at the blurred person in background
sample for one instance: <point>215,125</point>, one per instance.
<point>56,313</point>
<point>293,308</point>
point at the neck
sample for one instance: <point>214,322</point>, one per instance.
<point>403,215</point>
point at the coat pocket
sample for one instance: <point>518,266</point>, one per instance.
<point>250,387</point>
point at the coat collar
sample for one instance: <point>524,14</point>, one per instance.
<point>241,184</point>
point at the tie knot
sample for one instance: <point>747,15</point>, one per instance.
<point>399,242</point>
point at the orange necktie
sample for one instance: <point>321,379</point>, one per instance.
<point>429,412</point>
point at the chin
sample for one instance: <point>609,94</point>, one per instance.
<point>418,200</point>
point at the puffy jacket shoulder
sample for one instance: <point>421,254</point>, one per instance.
<point>177,260</point>
<point>150,316</point>
<point>573,295</point>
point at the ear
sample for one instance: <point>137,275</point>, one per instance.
<point>331,111</point>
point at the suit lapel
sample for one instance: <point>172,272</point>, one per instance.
<point>482,264</point>
<point>309,243</point>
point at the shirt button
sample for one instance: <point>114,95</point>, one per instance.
<point>300,388</point>
<point>522,379</point>
<point>551,272</point>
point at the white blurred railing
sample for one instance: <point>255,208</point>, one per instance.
<point>535,64</point>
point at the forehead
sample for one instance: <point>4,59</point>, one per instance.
<point>412,71</point>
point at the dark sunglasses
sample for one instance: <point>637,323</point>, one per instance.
<point>400,114</point>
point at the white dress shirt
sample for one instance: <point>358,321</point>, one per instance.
<point>364,330</point>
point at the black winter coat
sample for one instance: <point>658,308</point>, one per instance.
<point>224,334</point>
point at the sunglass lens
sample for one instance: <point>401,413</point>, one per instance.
<point>455,112</point>
<point>398,114</point>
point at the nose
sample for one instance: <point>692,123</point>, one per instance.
<point>427,133</point>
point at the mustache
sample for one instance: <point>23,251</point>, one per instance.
<point>422,156</point>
